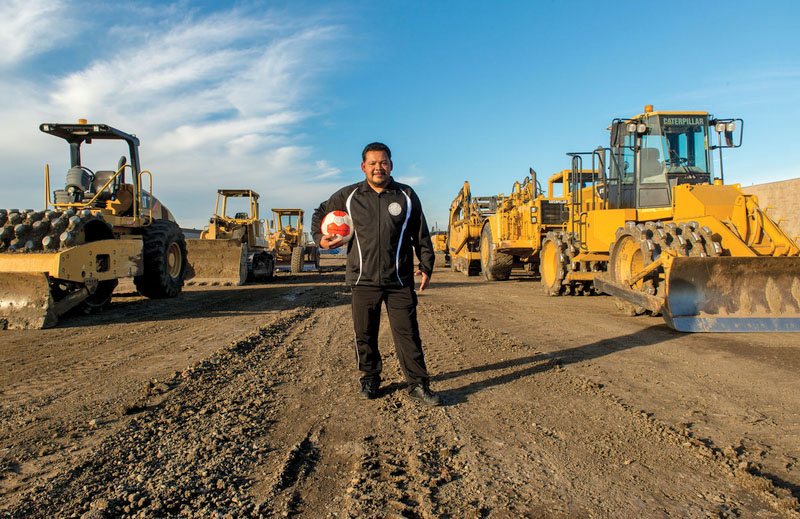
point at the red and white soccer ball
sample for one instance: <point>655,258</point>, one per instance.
<point>338,223</point>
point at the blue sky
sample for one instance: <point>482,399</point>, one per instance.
<point>281,97</point>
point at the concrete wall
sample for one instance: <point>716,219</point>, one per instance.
<point>784,197</point>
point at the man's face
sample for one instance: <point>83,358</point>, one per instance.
<point>377,166</point>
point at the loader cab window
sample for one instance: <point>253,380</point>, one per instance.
<point>621,169</point>
<point>237,207</point>
<point>651,163</point>
<point>288,222</point>
<point>685,141</point>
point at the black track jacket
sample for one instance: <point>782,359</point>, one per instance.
<point>389,227</point>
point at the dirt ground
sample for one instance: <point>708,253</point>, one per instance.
<point>242,402</point>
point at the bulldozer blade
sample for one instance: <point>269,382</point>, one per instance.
<point>26,301</point>
<point>216,262</point>
<point>734,294</point>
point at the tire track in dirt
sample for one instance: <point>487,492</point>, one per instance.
<point>167,417</point>
<point>66,388</point>
<point>271,426</point>
<point>188,454</point>
<point>594,434</point>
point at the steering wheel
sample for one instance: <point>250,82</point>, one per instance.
<point>678,161</point>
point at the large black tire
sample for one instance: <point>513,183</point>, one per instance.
<point>260,267</point>
<point>552,264</point>
<point>164,260</point>
<point>297,260</point>
<point>495,266</point>
<point>316,259</point>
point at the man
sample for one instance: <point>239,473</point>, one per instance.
<point>388,227</point>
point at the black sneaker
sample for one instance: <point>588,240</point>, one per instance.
<point>423,394</point>
<point>369,388</point>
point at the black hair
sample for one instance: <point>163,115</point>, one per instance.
<point>375,146</point>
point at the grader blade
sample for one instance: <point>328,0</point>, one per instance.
<point>25,301</point>
<point>734,294</point>
<point>216,262</point>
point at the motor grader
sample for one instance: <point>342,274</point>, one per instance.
<point>103,226</point>
<point>291,244</point>
<point>234,249</point>
<point>659,230</point>
<point>467,215</point>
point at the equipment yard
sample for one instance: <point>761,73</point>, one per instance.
<point>241,401</point>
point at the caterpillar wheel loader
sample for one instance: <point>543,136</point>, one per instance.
<point>467,215</point>
<point>658,230</point>
<point>234,249</point>
<point>102,226</point>
<point>291,244</point>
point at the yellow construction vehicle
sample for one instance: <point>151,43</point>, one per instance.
<point>656,229</point>
<point>440,252</point>
<point>514,233</point>
<point>232,249</point>
<point>102,226</point>
<point>291,244</point>
<point>467,215</point>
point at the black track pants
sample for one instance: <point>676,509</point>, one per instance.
<point>401,305</point>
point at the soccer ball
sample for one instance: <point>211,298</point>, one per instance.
<point>338,223</point>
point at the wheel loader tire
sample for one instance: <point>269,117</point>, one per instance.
<point>164,254</point>
<point>551,265</point>
<point>495,266</point>
<point>297,260</point>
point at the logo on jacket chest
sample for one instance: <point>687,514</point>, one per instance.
<point>395,209</point>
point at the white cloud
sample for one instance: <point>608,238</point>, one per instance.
<point>411,181</point>
<point>412,175</point>
<point>327,171</point>
<point>28,27</point>
<point>217,102</point>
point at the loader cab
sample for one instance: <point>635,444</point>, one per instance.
<point>100,188</point>
<point>652,153</point>
<point>287,221</point>
<point>245,223</point>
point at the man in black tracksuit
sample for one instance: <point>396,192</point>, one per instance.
<point>388,227</point>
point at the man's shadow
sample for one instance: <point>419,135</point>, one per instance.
<point>541,362</point>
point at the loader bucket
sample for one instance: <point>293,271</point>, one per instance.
<point>25,301</point>
<point>216,262</point>
<point>734,294</point>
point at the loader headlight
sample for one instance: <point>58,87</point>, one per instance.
<point>533,219</point>
<point>720,127</point>
<point>637,128</point>
<point>731,126</point>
